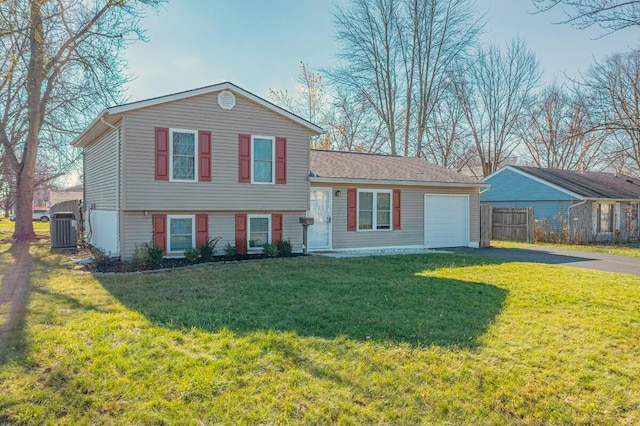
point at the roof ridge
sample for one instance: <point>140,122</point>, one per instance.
<point>362,153</point>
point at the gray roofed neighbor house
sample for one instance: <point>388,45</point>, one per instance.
<point>337,165</point>
<point>589,184</point>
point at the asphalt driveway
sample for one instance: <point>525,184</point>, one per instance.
<point>553,256</point>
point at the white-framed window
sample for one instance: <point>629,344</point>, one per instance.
<point>374,209</point>
<point>258,230</point>
<point>183,155</point>
<point>604,217</point>
<point>181,233</point>
<point>263,165</point>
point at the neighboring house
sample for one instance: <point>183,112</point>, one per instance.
<point>221,161</point>
<point>585,206</point>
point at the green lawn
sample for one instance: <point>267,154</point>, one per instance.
<point>434,338</point>
<point>629,249</point>
<point>7,227</point>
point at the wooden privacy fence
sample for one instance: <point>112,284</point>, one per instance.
<point>506,223</point>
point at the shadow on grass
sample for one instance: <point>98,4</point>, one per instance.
<point>375,298</point>
<point>14,295</point>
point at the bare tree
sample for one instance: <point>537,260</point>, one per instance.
<point>371,56</point>
<point>450,144</point>
<point>440,33</point>
<point>351,126</point>
<point>613,86</point>
<point>494,93</point>
<point>310,101</point>
<point>609,15</point>
<point>558,131</point>
<point>395,55</point>
<point>68,54</point>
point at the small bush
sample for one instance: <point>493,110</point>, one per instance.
<point>269,250</point>
<point>146,255</point>
<point>192,255</point>
<point>285,249</point>
<point>99,257</point>
<point>208,249</point>
<point>230,251</point>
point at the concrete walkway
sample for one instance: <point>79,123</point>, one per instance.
<point>373,252</point>
<point>553,256</point>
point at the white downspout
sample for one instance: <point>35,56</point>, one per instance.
<point>106,123</point>
<point>569,212</point>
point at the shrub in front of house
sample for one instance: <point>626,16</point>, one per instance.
<point>147,256</point>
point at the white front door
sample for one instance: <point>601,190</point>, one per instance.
<point>320,231</point>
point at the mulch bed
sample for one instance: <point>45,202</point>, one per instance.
<point>118,266</point>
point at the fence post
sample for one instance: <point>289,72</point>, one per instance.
<point>530,225</point>
<point>486,224</point>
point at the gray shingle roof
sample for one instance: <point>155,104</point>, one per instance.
<point>351,165</point>
<point>589,184</point>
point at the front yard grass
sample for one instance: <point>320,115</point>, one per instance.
<point>627,249</point>
<point>432,338</point>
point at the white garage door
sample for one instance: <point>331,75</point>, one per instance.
<point>446,220</point>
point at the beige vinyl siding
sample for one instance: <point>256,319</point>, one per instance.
<point>412,217</point>
<point>138,228</point>
<point>142,191</point>
<point>101,168</point>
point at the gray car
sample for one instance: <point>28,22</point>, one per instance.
<point>41,215</point>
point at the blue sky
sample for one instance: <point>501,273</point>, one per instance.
<point>258,44</point>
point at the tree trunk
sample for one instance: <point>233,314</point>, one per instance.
<point>35,77</point>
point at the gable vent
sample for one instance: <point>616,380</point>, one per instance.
<point>226,99</point>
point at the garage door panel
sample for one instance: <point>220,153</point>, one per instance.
<point>446,221</point>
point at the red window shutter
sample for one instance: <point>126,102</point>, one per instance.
<point>244,158</point>
<point>162,153</point>
<point>241,233</point>
<point>160,231</point>
<point>352,209</point>
<point>396,209</point>
<point>204,156</point>
<point>202,229</point>
<point>276,228</point>
<point>281,160</point>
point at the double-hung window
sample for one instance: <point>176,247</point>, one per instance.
<point>374,209</point>
<point>183,155</point>
<point>180,233</point>
<point>259,231</point>
<point>262,159</point>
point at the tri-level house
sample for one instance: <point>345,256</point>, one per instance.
<point>220,161</point>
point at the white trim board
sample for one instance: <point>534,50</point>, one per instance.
<point>387,182</point>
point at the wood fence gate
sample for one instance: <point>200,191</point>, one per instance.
<point>505,223</point>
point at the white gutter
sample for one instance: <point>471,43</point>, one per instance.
<point>396,182</point>
<point>106,123</point>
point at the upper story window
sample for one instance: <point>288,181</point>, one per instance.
<point>183,154</point>
<point>262,159</point>
<point>374,209</point>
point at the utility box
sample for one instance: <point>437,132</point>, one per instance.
<point>64,230</point>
